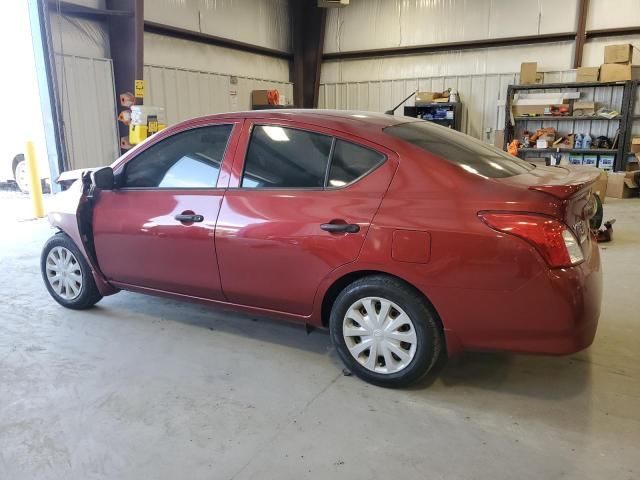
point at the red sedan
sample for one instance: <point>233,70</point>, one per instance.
<point>407,240</point>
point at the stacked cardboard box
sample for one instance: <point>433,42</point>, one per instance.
<point>617,64</point>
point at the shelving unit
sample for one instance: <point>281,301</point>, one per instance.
<point>623,121</point>
<point>420,111</point>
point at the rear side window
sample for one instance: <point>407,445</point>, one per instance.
<point>350,162</point>
<point>281,157</point>
<point>455,147</point>
<point>189,159</point>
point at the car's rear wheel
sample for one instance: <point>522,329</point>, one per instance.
<point>67,275</point>
<point>385,332</point>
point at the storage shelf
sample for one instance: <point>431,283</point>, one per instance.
<point>596,151</point>
<point>560,118</point>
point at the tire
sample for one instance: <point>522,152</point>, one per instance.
<point>76,289</point>
<point>20,176</point>
<point>397,363</point>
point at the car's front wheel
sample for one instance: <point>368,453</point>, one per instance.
<point>67,275</point>
<point>385,332</point>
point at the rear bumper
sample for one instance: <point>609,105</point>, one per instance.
<point>555,313</point>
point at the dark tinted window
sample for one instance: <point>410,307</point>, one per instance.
<point>281,157</point>
<point>350,162</point>
<point>471,154</point>
<point>188,159</point>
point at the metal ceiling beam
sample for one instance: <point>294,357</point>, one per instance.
<point>613,32</point>
<point>184,34</point>
<point>307,31</point>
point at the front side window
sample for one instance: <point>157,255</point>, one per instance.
<point>280,157</point>
<point>471,154</point>
<point>189,159</point>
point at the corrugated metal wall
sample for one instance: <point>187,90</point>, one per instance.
<point>191,93</point>
<point>482,97</point>
<point>88,105</point>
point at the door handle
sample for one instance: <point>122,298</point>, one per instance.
<point>340,227</point>
<point>189,218</point>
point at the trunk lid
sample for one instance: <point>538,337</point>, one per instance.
<point>570,188</point>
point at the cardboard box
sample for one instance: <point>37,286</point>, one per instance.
<point>425,98</point>
<point>635,145</point>
<point>520,110</point>
<point>600,187</point>
<point>584,109</point>
<point>633,164</point>
<point>622,185</point>
<point>621,53</point>
<point>590,160</point>
<point>528,73</point>
<point>587,74</point>
<point>498,139</point>
<point>260,97</point>
<point>615,72</point>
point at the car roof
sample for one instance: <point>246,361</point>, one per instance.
<point>348,121</point>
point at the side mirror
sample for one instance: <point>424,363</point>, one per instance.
<point>103,178</point>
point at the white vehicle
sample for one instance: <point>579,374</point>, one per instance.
<point>13,166</point>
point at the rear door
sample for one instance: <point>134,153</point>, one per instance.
<point>157,229</point>
<point>299,205</point>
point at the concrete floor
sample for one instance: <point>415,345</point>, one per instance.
<point>146,388</point>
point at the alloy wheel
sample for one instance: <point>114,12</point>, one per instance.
<point>64,273</point>
<point>379,335</point>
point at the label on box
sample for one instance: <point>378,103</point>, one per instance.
<point>575,160</point>
<point>590,160</point>
<point>606,162</point>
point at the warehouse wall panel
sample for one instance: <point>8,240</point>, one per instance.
<point>369,24</point>
<point>78,36</point>
<point>258,22</point>
<point>190,93</point>
<point>178,53</point>
<point>88,104</point>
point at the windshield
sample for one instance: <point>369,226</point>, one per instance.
<point>455,147</point>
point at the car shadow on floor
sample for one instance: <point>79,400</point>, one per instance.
<point>546,377</point>
<point>260,328</point>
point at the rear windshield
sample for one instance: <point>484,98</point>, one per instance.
<point>471,154</point>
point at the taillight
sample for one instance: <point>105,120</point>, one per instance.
<point>552,238</point>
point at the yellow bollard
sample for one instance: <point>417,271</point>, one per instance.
<point>35,187</point>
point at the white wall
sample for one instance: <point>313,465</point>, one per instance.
<point>370,24</point>
<point>258,22</point>
<point>173,52</point>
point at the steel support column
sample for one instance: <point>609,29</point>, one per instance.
<point>126,45</point>
<point>307,28</point>
<point>581,33</point>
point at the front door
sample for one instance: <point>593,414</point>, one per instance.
<point>157,229</point>
<point>301,206</point>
